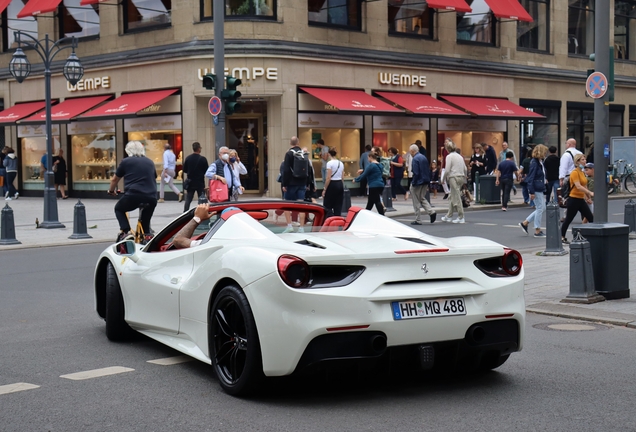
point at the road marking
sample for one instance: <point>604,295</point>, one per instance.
<point>485,224</point>
<point>17,387</point>
<point>618,214</point>
<point>169,361</point>
<point>96,373</point>
<point>510,226</point>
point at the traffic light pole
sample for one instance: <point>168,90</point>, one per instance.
<point>601,110</point>
<point>219,69</point>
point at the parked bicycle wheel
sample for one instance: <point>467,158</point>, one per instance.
<point>630,183</point>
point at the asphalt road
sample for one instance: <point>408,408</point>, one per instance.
<point>562,380</point>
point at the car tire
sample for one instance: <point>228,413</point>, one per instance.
<point>235,349</point>
<point>116,327</point>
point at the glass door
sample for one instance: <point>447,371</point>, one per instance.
<point>245,135</point>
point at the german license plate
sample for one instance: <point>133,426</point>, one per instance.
<point>428,308</point>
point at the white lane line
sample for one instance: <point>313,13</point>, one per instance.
<point>484,224</point>
<point>169,361</point>
<point>618,214</point>
<point>96,373</point>
<point>510,226</point>
<point>17,387</point>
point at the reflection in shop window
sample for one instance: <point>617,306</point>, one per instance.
<point>339,13</point>
<point>534,35</point>
<point>625,29</point>
<point>241,9</point>
<point>477,26</point>
<point>77,20</point>
<point>141,14</point>
<point>27,25</point>
<point>411,17</point>
<point>581,27</point>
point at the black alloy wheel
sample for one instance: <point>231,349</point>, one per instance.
<point>234,345</point>
<point>116,327</point>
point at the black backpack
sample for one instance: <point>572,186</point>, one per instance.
<point>565,189</point>
<point>299,166</point>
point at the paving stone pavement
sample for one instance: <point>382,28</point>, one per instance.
<point>547,278</point>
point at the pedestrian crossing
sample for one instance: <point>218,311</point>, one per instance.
<point>94,373</point>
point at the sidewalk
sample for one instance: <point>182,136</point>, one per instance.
<point>547,278</point>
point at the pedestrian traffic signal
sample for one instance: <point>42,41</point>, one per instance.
<point>209,81</point>
<point>230,95</point>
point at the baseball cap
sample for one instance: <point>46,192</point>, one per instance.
<point>589,165</point>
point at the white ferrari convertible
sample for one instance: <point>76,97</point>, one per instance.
<point>255,302</point>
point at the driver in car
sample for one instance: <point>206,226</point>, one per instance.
<point>183,239</point>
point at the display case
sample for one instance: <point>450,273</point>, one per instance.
<point>32,147</point>
<point>94,154</point>
<point>399,132</point>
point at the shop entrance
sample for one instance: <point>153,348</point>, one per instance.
<point>245,134</point>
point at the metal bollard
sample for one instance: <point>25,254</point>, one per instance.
<point>79,222</point>
<point>386,198</point>
<point>630,218</point>
<point>553,245</point>
<point>346,201</point>
<point>581,273</point>
<point>7,227</point>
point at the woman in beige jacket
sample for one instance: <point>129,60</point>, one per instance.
<point>455,176</point>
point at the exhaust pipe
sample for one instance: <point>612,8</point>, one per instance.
<point>378,344</point>
<point>476,334</point>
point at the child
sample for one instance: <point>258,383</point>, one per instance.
<point>435,173</point>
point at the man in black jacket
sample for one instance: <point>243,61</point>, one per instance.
<point>294,184</point>
<point>491,158</point>
<point>195,167</point>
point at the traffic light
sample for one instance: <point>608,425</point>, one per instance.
<point>231,94</point>
<point>209,81</point>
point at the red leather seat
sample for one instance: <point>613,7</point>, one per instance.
<point>333,223</point>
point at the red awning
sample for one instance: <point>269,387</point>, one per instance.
<point>4,4</point>
<point>350,100</point>
<point>90,2</point>
<point>490,107</point>
<point>128,104</point>
<point>68,109</point>
<point>18,111</point>
<point>451,5</point>
<point>35,7</point>
<point>509,9</point>
<point>421,104</point>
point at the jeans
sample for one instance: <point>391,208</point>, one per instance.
<point>131,202</point>
<point>190,197</point>
<point>553,185</point>
<point>526,194</point>
<point>506,187</point>
<point>10,179</point>
<point>537,214</point>
<point>374,198</point>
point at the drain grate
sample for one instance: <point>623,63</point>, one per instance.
<point>570,327</point>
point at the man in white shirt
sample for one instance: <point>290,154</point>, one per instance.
<point>566,166</point>
<point>168,173</point>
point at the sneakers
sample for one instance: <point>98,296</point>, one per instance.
<point>564,240</point>
<point>160,200</point>
<point>16,195</point>
<point>288,229</point>
<point>433,217</point>
<point>446,219</point>
<point>445,196</point>
<point>539,234</point>
<point>416,223</point>
<point>8,198</point>
<point>504,209</point>
<point>180,196</point>
<point>524,227</point>
<point>301,230</point>
<point>147,238</point>
<point>459,220</point>
<point>123,236</point>
<point>6,195</point>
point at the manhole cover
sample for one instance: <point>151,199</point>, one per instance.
<point>571,327</point>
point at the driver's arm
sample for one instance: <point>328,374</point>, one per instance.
<point>183,238</point>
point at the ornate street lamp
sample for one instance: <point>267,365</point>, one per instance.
<point>20,68</point>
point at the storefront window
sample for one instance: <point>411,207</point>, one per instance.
<point>145,14</point>
<point>465,133</point>
<point>625,29</point>
<point>93,154</point>
<point>410,17</point>
<point>27,25</point>
<point>337,13</point>
<point>154,132</point>
<point>32,148</point>
<point>342,132</point>
<point>581,124</point>
<point>535,35</point>
<point>632,120</point>
<point>399,132</point>
<point>541,131</point>
<point>77,20</point>
<point>477,26</point>
<point>241,9</point>
<point>581,27</point>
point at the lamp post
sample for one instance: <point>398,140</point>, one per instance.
<point>73,71</point>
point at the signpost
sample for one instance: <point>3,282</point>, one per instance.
<point>596,85</point>
<point>215,105</point>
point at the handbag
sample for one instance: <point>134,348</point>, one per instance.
<point>55,167</point>
<point>218,191</point>
<point>186,183</point>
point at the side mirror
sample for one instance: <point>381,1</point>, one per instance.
<point>127,248</point>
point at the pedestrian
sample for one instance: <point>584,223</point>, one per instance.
<point>239,170</point>
<point>310,192</point>
<point>3,173</point>
<point>579,196</point>
<point>11,165</point>
<point>442,163</point>
<point>536,183</point>
<point>455,175</point>
<point>436,171</point>
<point>59,172</point>
<point>294,181</point>
<point>168,173</point>
<point>333,191</point>
<point>589,175</point>
<point>491,158</point>
<point>362,164</point>
<point>324,157</point>
<point>221,170</point>
<point>551,164</point>
<point>505,176</point>
<point>523,173</point>
<point>397,172</point>
<point>194,167</point>
<point>408,164</point>
<point>420,146</point>
<point>373,175</point>
<point>419,185</point>
<point>503,154</point>
<point>477,165</point>
<point>567,165</point>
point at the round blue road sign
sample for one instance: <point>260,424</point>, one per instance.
<point>596,85</point>
<point>215,105</point>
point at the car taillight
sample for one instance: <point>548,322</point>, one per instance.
<point>509,264</point>
<point>293,270</point>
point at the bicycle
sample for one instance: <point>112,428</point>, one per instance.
<point>627,178</point>
<point>139,236</point>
